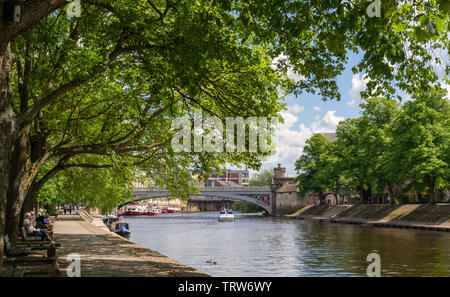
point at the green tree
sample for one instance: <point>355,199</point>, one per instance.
<point>419,152</point>
<point>362,144</point>
<point>112,88</point>
<point>262,178</point>
<point>354,156</point>
<point>376,119</point>
<point>312,167</point>
<point>103,188</point>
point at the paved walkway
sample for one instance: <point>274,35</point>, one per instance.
<point>105,254</point>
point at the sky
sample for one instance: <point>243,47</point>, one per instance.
<point>308,113</point>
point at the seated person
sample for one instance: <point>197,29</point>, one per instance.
<point>40,222</point>
<point>31,230</point>
<point>32,218</point>
<point>47,222</point>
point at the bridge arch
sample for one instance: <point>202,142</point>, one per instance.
<point>232,193</point>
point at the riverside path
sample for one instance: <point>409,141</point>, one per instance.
<point>105,254</point>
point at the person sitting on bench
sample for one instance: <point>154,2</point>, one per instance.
<point>31,230</point>
<point>40,224</point>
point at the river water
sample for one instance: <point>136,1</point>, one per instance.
<point>265,246</point>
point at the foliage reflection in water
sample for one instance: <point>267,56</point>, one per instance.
<point>264,246</point>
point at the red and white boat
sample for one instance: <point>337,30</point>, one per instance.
<point>173,209</point>
<point>153,211</point>
<point>140,210</point>
<point>134,210</point>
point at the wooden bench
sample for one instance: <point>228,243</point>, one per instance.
<point>25,249</point>
<point>27,255</point>
<point>12,272</point>
<point>27,238</point>
<point>34,264</point>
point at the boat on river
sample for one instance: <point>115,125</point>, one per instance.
<point>153,211</point>
<point>120,228</point>
<point>170,209</point>
<point>141,210</point>
<point>135,210</point>
<point>226,215</point>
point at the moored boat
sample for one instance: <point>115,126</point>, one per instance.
<point>120,228</point>
<point>134,210</point>
<point>153,211</point>
<point>173,210</point>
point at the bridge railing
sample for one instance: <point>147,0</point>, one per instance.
<point>236,189</point>
<point>215,189</point>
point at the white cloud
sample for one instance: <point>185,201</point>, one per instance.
<point>446,86</point>
<point>317,108</point>
<point>282,60</point>
<point>291,137</point>
<point>327,124</point>
<point>358,85</point>
<point>296,108</point>
<point>289,119</point>
<point>290,145</point>
<point>408,98</point>
<point>289,115</point>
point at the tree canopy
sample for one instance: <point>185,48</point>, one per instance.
<point>386,147</point>
<point>262,178</point>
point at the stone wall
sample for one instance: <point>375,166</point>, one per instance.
<point>407,213</point>
<point>286,203</point>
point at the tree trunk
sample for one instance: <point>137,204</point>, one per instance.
<point>321,198</point>
<point>28,203</point>
<point>17,187</point>
<point>391,194</point>
<point>337,194</point>
<point>32,12</point>
<point>420,197</point>
<point>432,190</point>
<point>7,132</point>
<point>365,195</point>
<point>22,177</point>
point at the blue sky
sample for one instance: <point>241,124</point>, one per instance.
<point>308,113</point>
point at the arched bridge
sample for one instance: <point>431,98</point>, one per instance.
<point>260,196</point>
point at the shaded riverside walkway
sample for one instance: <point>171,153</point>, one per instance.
<point>105,254</point>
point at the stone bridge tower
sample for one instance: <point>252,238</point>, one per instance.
<point>284,198</point>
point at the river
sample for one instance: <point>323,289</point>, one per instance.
<point>266,246</point>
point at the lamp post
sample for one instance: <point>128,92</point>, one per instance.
<point>13,11</point>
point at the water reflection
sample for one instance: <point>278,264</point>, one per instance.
<point>259,246</point>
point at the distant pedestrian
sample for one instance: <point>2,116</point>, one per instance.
<point>65,208</point>
<point>70,208</point>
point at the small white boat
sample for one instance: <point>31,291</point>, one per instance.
<point>226,216</point>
